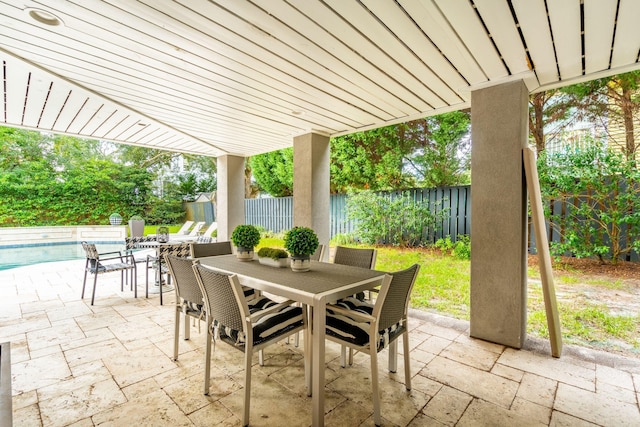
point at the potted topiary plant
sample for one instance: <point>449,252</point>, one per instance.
<point>115,218</point>
<point>301,242</point>
<point>136,226</point>
<point>273,257</point>
<point>245,237</point>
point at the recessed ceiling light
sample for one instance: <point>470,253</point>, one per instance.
<point>297,112</point>
<point>44,17</point>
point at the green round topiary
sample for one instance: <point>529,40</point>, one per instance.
<point>301,241</point>
<point>245,236</point>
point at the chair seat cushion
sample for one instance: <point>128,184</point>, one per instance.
<point>354,331</point>
<point>267,327</point>
<point>104,268</point>
<point>191,308</point>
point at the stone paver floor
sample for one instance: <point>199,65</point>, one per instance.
<point>110,364</point>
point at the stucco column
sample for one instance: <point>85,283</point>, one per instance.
<point>230,195</point>
<point>311,184</point>
<point>499,129</point>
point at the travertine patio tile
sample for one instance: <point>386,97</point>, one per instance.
<point>40,372</point>
<point>60,332</point>
<point>422,420</point>
<point>69,310</point>
<point>560,419</point>
<point>474,356</point>
<point>68,401</point>
<point>447,406</point>
<point>27,323</point>
<point>595,407</point>
<point>482,413</point>
<point>29,416</point>
<point>421,356</point>
<point>213,414</point>
<point>636,382</point>
<point>88,338</point>
<point>132,366</point>
<point>348,413</point>
<point>100,350</point>
<point>537,389</point>
<point>612,376</point>
<point>434,344</point>
<point>267,408</point>
<point>475,382</point>
<point>477,343</point>
<point>439,331</point>
<point>40,305</point>
<point>19,347</point>
<point>425,385</point>
<point>9,311</point>
<point>24,399</point>
<point>152,409</point>
<point>102,319</point>
<point>45,351</point>
<point>615,392</point>
<point>189,395</point>
<point>545,366</point>
<point>531,410</point>
<point>507,372</point>
<point>417,337</point>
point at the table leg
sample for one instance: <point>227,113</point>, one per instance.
<point>318,343</point>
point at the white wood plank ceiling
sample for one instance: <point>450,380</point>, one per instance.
<point>244,77</point>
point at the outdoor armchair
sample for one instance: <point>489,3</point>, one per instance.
<point>189,300</point>
<point>157,263</point>
<point>370,328</point>
<point>105,263</point>
<point>247,326</point>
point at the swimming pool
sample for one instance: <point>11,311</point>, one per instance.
<point>18,256</point>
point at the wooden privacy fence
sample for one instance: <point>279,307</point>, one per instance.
<point>276,214</point>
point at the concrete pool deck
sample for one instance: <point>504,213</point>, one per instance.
<point>110,364</point>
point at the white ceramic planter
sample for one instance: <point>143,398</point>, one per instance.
<point>244,255</point>
<point>300,265</point>
<point>280,262</point>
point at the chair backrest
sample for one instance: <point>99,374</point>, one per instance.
<point>393,300</point>
<point>355,257</point>
<point>318,255</point>
<point>180,250</point>
<point>213,227</point>
<point>196,229</point>
<point>132,242</point>
<point>184,279</point>
<point>199,250</point>
<point>90,250</point>
<point>203,239</point>
<point>220,298</point>
<point>185,227</point>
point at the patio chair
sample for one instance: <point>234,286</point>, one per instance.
<point>204,239</point>
<point>189,301</point>
<point>199,250</point>
<point>318,255</point>
<point>216,249</point>
<point>247,326</point>
<point>195,231</point>
<point>157,263</point>
<point>105,263</point>
<point>184,230</point>
<point>370,328</point>
<point>355,257</point>
<point>209,231</point>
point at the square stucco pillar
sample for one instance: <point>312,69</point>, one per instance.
<point>311,184</point>
<point>499,129</point>
<point>230,195</point>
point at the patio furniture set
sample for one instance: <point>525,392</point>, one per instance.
<point>326,303</point>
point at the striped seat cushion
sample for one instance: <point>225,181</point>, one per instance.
<point>191,308</point>
<point>357,332</point>
<point>274,324</point>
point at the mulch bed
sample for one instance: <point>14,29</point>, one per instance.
<point>593,267</point>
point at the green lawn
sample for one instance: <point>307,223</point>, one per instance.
<point>443,284</point>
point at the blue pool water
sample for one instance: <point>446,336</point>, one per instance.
<point>11,257</point>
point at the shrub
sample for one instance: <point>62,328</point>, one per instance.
<point>460,249</point>
<point>395,219</point>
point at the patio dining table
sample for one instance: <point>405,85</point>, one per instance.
<point>324,283</point>
<point>157,246</point>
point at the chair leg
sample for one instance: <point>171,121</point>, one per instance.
<point>207,357</point>
<point>84,282</point>
<point>407,367</point>
<point>393,356</point>
<point>247,385</point>
<point>160,275</point>
<point>146,275</point>
<point>343,356</point>
<point>260,357</point>
<point>95,282</point>
<point>307,360</point>
<point>187,328</point>
<point>176,335</point>
<point>374,386</point>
